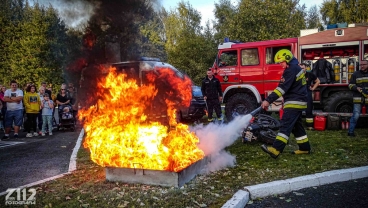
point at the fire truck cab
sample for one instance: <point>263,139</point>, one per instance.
<point>247,71</point>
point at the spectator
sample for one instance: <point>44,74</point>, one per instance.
<point>212,93</point>
<point>71,85</point>
<point>47,106</point>
<point>62,99</point>
<point>3,108</point>
<point>73,98</point>
<point>1,116</point>
<point>32,103</point>
<point>312,84</point>
<point>359,86</point>
<point>41,93</point>
<point>14,113</point>
<point>49,92</point>
<point>294,92</point>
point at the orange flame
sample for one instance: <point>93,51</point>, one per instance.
<point>118,133</point>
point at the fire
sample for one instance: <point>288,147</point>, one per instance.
<point>119,133</point>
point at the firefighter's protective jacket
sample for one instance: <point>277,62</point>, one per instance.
<point>359,79</point>
<point>293,89</point>
<point>211,88</point>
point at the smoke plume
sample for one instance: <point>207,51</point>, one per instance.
<point>214,138</point>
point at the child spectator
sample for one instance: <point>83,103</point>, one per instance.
<point>47,106</point>
<point>32,103</point>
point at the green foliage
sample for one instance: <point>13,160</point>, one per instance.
<point>33,43</point>
<point>313,18</point>
<point>350,11</point>
<point>189,47</point>
<point>260,20</point>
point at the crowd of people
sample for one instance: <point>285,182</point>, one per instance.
<point>32,108</point>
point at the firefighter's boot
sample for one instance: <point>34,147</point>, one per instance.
<point>300,152</point>
<point>274,153</point>
<point>304,147</point>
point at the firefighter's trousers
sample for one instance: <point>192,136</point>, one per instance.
<point>309,111</point>
<point>214,104</point>
<point>291,122</point>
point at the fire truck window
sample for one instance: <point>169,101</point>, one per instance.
<point>250,57</point>
<point>365,56</point>
<point>228,58</point>
<point>271,52</point>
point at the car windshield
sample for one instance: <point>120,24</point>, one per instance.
<point>196,91</point>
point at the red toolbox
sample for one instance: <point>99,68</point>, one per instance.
<point>320,123</point>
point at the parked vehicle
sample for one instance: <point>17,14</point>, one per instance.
<point>139,70</point>
<point>247,71</point>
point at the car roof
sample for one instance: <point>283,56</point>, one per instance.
<point>145,65</point>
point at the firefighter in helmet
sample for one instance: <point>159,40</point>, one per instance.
<point>294,92</point>
<point>312,83</point>
<point>358,84</point>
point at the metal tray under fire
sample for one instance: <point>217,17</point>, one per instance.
<point>155,177</point>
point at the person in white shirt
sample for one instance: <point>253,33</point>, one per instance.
<point>14,103</point>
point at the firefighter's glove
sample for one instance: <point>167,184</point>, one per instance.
<point>364,93</point>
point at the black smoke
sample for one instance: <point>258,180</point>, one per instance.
<point>101,23</point>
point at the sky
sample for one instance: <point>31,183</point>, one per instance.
<point>206,7</point>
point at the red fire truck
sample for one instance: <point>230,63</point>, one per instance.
<point>248,73</point>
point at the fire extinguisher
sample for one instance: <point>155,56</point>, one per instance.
<point>336,66</point>
<point>364,110</point>
<point>347,124</point>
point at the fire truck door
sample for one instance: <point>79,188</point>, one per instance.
<point>228,68</point>
<point>251,70</point>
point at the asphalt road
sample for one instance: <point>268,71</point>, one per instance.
<point>343,194</point>
<point>27,160</point>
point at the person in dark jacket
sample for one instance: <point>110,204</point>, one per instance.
<point>212,93</point>
<point>359,85</point>
<point>312,84</point>
<point>324,71</point>
<point>294,92</point>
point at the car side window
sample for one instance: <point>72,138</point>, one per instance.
<point>271,52</point>
<point>249,57</point>
<point>228,58</point>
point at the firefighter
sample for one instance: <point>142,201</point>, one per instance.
<point>359,85</point>
<point>212,93</point>
<point>294,92</point>
<point>312,84</point>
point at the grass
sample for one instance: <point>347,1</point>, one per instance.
<point>87,186</point>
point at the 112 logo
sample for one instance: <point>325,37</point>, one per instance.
<point>21,196</point>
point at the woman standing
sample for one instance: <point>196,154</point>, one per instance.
<point>32,103</point>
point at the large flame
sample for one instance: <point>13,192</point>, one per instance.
<point>119,134</point>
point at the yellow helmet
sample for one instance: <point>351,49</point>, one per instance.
<point>283,55</point>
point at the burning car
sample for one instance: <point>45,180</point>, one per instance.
<point>132,122</point>
<point>142,69</point>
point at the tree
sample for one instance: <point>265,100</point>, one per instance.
<point>260,19</point>
<point>188,47</point>
<point>36,50</point>
<point>225,14</point>
<point>349,11</point>
<point>10,15</point>
<point>313,18</point>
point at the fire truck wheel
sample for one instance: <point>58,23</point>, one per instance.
<point>339,102</point>
<point>239,104</point>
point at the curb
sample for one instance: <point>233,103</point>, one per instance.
<point>72,166</point>
<point>241,197</point>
